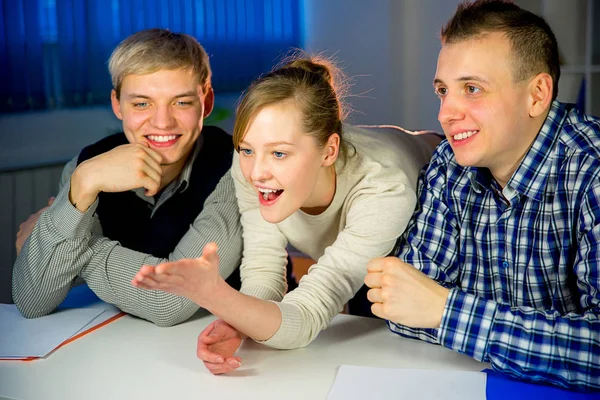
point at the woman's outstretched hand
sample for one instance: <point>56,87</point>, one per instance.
<point>194,278</point>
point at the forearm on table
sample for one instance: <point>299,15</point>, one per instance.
<point>542,346</point>
<point>62,246</point>
<point>113,267</point>
<point>109,273</point>
<point>43,277</point>
<point>426,335</point>
<point>51,258</point>
<point>256,318</point>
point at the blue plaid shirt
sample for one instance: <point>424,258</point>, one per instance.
<point>522,262</point>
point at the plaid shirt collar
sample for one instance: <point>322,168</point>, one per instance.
<point>531,177</point>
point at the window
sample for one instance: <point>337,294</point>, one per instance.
<point>57,50</point>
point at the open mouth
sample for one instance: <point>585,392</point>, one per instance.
<point>269,196</point>
<point>162,140</point>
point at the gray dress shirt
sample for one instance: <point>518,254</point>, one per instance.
<point>66,244</point>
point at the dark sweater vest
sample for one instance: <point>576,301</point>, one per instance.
<point>126,218</point>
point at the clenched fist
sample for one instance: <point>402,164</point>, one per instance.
<point>402,294</point>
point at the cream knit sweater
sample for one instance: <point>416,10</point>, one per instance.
<point>374,200</point>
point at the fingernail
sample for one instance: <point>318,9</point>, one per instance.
<point>235,363</point>
<point>220,360</point>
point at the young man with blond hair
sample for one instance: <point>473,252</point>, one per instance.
<point>158,191</point>
<point>501,260</point>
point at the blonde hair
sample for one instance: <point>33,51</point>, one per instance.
<point>308,82</point>
<point>151,50</point>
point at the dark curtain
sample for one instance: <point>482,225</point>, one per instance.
<point>54,53</point>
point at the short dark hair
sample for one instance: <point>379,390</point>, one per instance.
<point>532,41</point>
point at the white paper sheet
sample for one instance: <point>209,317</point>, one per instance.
<point>22,337</point>
<point>353,382</point>
<point>107,312</point>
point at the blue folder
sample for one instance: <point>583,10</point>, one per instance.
<point>502,387</point>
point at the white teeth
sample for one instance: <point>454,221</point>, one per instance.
<point>265,192</point>
<point>464,135</point>
<point>161,138</point>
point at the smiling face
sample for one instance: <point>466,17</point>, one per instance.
<point>285,166</point>
<point>485,115</point>
<point>164,109</point>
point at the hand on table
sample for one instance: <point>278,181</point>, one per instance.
<point>216,346</point>
<point>194,278</point>
<point>26,227</point>
<point>403,294</point>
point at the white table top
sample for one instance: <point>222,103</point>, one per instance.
<point>131,358</point>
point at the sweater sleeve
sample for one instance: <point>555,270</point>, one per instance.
<point>371,231</point>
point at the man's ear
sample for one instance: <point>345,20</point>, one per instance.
<point>116,104</point>
<point>209,102</point>
<point>332,150</point>
<point>540,94</point>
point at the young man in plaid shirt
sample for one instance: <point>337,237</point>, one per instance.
<point>501,258</point>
